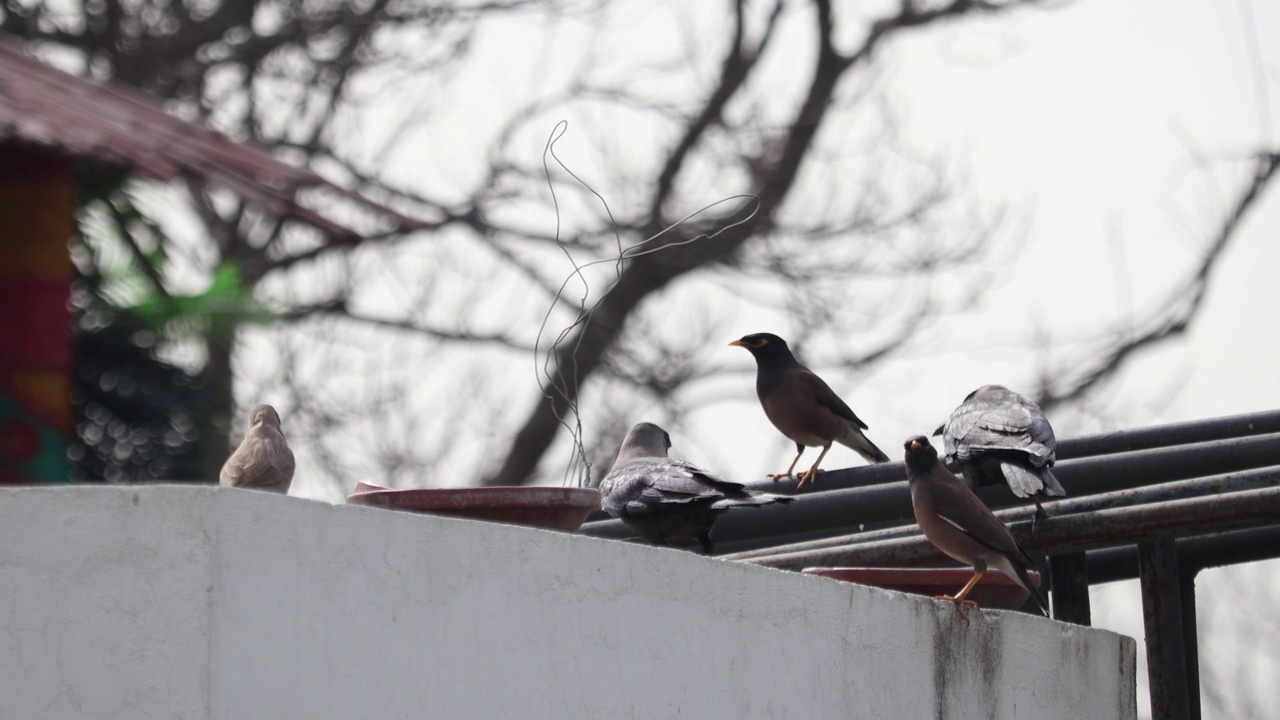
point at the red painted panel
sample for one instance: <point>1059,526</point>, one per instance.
<point>35,324</point>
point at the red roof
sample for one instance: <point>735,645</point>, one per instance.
<point>109,122</point>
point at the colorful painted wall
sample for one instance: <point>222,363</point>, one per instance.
<point>37,203</point>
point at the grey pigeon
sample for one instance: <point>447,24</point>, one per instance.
<point>263,461</point>
<point>664,499</point>
<point>999,436</point>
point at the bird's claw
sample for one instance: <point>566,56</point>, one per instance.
<point>960,605</point>
<point>778,476</point>
<point>807,477</point>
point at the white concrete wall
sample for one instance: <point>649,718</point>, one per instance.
<point>200,602</point>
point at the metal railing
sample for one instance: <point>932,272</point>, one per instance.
<point>1159,504</point>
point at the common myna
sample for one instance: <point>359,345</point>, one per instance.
<point>803,407</point>
<point>664,499</point>
<point>263,461</point>
<point>957,522</point>
<point>999,436</point>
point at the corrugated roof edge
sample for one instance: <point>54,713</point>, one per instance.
<point>112,123</point>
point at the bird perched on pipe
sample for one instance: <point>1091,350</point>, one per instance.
<point>998,436</point>
<point>665,499</point>
<point>263,461</point>
<point>957,522</point>
<point>803,407</point>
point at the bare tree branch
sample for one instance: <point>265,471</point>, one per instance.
<point>578,357</point>
<point>1173,316</point>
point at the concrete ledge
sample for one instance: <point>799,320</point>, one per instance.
<point>202,602</point>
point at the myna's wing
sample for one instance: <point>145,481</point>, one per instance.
<point>956,503</point>
<point>1015,424</point>
<point>825,396</point>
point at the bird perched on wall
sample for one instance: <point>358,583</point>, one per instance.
<point>263,461</point>
<point>999,436</point>
<point>957,522</point>
<point>803,407</point>
<point>665,499</point>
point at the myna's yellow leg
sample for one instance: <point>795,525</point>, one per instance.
<point>791,469</point>
<point>959,598</point>
<point>813,471</point>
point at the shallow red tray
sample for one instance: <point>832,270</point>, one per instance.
<point>550,508</point>
<point>994,591</point>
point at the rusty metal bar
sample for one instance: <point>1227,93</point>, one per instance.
<point>1185,433</point>
<point>1206,486</point>
<point>1162,615</point>
<point>1194,554</point>
<point>1168,437</point>
<point>1069,583</point>
<point>838,512</point>
<point>1190,637</point>
<point>1067,533</point>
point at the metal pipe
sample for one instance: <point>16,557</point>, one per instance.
<point>836,510</point>
<point>1184,433</point>
<point>1190,640</point>
<point>1086,476</point>
<point>1233,427</point>
<point>1195,554</point>
<point>1206,486</point>
<point>1069,581</point>
<point>1067,533</point>
<point>1162,616</point>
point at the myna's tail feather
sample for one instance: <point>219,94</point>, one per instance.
<point>857,441</point>
<point>1018,574</point>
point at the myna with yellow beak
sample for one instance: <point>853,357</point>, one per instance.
<point>803,407</point>
<point>957,522</point>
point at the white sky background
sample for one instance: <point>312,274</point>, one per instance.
<point>1085,122</point>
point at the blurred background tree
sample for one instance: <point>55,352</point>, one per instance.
<point>854,239</point>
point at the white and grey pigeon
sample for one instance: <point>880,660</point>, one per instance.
<point>263,461</point>
<point>664,499</point>
<point>999,436</point>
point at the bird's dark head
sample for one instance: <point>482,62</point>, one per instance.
<point>264,415</point>
<point>765,346</point>
<point>921,455</point>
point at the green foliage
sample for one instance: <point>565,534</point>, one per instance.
<point>127,267</point>
<point>215,313</point>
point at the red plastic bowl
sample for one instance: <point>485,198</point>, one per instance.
<point>994,591</point>
<point>549,508</point>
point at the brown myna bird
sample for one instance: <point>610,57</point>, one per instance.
<point>803,407</point>
<point>665,499</point>
<point>999,436</point>
<point>957,522</point>
<point>263,461</point>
